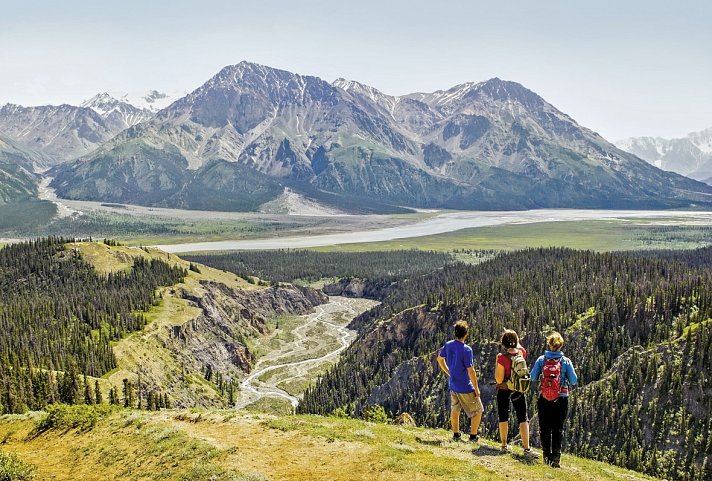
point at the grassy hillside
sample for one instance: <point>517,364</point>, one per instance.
<point>211,445</point>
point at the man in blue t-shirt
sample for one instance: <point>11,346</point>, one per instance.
<point>455,360</point>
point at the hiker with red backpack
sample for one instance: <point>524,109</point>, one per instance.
<point>556,374</point>
<point>513,382</point>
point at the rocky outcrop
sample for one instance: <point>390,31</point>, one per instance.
<point>216,340</point>
<point>355,287</point>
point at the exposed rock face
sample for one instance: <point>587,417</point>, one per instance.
<point>355,287</point>
<point>215,340</point>
<point>486,145</point>
<point>59,132</point>
<point>17,179</point>
<point>690,156</point>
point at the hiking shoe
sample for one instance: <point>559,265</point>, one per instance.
<point>531,454</point>
<point>457,437</point>
<point>554,464</point>
<point>474,438</point>
<point>505,449</point>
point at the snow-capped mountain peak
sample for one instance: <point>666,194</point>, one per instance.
<point>120,113</point>
<point>103,103</point>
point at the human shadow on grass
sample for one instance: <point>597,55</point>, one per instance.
<point>485,450</point>
<point>430,442</point>
<point>524,459</point>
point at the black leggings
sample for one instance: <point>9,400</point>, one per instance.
<point>518,401</point>
<point>552,415</point>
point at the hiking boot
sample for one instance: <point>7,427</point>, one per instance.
<point>554,464</point>
<point>474,438</point>
<point>457,437</point>
<point>531,454</point>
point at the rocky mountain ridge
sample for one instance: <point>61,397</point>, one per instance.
<point>252,133</point>
<point>690,156</point>
<point>489,145</point>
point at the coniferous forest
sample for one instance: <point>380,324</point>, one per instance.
<point>292,265</point>
<point>637,327</point>
<point>58,317</point>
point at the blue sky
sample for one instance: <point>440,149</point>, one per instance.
<point>621,68</point>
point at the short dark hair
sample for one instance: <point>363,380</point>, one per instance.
<point>461,329</point>
<point>510,339</point>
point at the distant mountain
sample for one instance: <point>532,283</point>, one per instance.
<point>65,132</point>
<point>117,114</point>
<point>487,145</point>
<point>152,100</point>
<point>690,156</point>
<point>61,132</point>
<point>17,179</point>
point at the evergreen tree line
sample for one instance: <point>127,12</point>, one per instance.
<point>58,314</point>
<point>292,265</point>
<point>27,389</point>
<point>609,307</point>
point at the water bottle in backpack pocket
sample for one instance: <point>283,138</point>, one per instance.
<point>550,386</point>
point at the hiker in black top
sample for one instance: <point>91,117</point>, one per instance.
<point>555,373</point>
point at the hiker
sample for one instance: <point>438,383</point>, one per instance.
<point>556,373</point>
<point>456,361</point>
<point>503,376</point>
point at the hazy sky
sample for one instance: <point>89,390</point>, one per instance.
<point>620,67</point>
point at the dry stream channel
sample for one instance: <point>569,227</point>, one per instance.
<point>300,349</point>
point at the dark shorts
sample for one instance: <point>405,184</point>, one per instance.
<point>519,401</point>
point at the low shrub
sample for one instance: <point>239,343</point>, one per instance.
<point>13,468</point>
<point>77,416</point>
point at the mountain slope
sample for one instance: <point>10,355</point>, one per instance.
<point>183,319</point>
<point>614,311</point>
<point>206,445</point>
<point>690,156</point>
<point>59,132</point>
<point>18,181</point>
<point>117,114</point>
<point>65,132</point>
<point>487,145</point>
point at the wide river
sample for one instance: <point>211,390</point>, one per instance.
<point>441,223</point>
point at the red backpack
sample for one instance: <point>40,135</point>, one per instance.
<point>550,386</point>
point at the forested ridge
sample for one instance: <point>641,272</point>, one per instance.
<point>636,327</point>
<point>58,314</point>
<point>287,265</point>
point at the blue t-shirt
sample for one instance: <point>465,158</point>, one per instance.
<point>458,357</point>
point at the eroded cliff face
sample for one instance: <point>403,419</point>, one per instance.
<point>217,338</point>
<point>355,287</point>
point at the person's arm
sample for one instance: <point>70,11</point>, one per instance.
<point>499,373</point>
<point>443,365</point>
<point>473,379</point>
<point>536,369</point>
<point>571,374</point>
<point>535,373</point>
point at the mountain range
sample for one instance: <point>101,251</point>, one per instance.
<point>690,156</point>
<point>252,134</point>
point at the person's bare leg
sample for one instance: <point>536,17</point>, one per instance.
<point>475,423</point>
<point>503,432</point>
<point>524,434</point>
<point>455,421</point>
